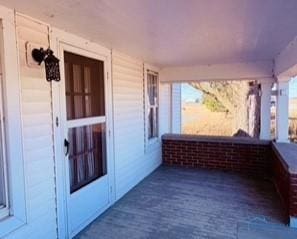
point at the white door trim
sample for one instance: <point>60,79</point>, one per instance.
<point>59,41</point>
<point>85,121</point>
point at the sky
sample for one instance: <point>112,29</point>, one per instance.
<point>190,94</point>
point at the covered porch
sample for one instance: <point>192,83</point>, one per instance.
<point>119,166</point>
<point>174,202</point>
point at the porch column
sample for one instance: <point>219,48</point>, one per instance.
<point>265,109</point>
<point>282,109</point>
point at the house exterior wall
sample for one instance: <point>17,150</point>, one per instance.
<point>134,156</point>
<point>37,138</point>
<point>165,108</point>
<point>176,108</point>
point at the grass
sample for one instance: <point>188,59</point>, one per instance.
<point>198,119</point>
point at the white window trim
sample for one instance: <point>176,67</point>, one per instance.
<point>4,209</point>
<point>154,140</point>
<point>13,125</point>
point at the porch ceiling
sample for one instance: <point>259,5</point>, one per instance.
<point>175,32</point>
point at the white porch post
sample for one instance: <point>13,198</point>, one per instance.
<point>282,109</point>
<point>265,109</point>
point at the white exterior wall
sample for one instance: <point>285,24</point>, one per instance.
<point>176,108</point>
<point>134,157</point>
<point>37,139</point>
<point>165,108</point>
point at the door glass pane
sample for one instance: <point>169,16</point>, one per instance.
<point>84,86</point>
<point>87,154</point>
<point>77,78</point>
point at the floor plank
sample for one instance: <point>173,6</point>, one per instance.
<point>186,203</point>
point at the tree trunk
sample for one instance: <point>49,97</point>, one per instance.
<point>240,114</point>
<point>241,99</point>
<point>254,110</point>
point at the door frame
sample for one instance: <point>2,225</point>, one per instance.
<point>60,41</point>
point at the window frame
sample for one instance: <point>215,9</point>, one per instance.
<point>4,209</point>
<point>147,106</point>
<point>13,125</point>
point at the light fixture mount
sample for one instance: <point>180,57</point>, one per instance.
<point>52,68</point>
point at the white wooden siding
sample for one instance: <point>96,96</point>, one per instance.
<point>165,108</point>
<point>176,108</point>
<point>37,138</point>
<point>133,159</point>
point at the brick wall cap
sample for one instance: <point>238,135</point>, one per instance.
<point>288,154</point>
<point>215,139</point>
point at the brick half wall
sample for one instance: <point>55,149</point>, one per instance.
<point>224,153</point>
<point>284,170</point>
<point>261,158</point>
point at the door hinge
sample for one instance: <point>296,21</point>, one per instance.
<point>110,189</point>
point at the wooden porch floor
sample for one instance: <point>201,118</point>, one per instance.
<point>185,203</point>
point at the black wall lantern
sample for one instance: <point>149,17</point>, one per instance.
<point>51,62</point>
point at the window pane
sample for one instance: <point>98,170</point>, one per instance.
<point>84,86</point>
<point>150,85</point>
<point>155,89</point>
<point>156,122</point>
<point>150,123</point>
<point>87,155</point>
<point>77,78</point>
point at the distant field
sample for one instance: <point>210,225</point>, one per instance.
<point>293,107</point>
<point>197,119</point>
<point>293,119</point>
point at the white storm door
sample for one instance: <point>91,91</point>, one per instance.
<point>85,139</point>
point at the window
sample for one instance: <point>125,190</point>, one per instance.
<point>152,104</point>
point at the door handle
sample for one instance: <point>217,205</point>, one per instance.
<point>66,145</point>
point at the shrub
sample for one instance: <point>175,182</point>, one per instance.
<point>212,103</point>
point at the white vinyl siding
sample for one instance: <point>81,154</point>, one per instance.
<point>133,159</point>
<point>37,137</point>
<point>176,108</point>
<point>127,77</point>
<point>165,108</point>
